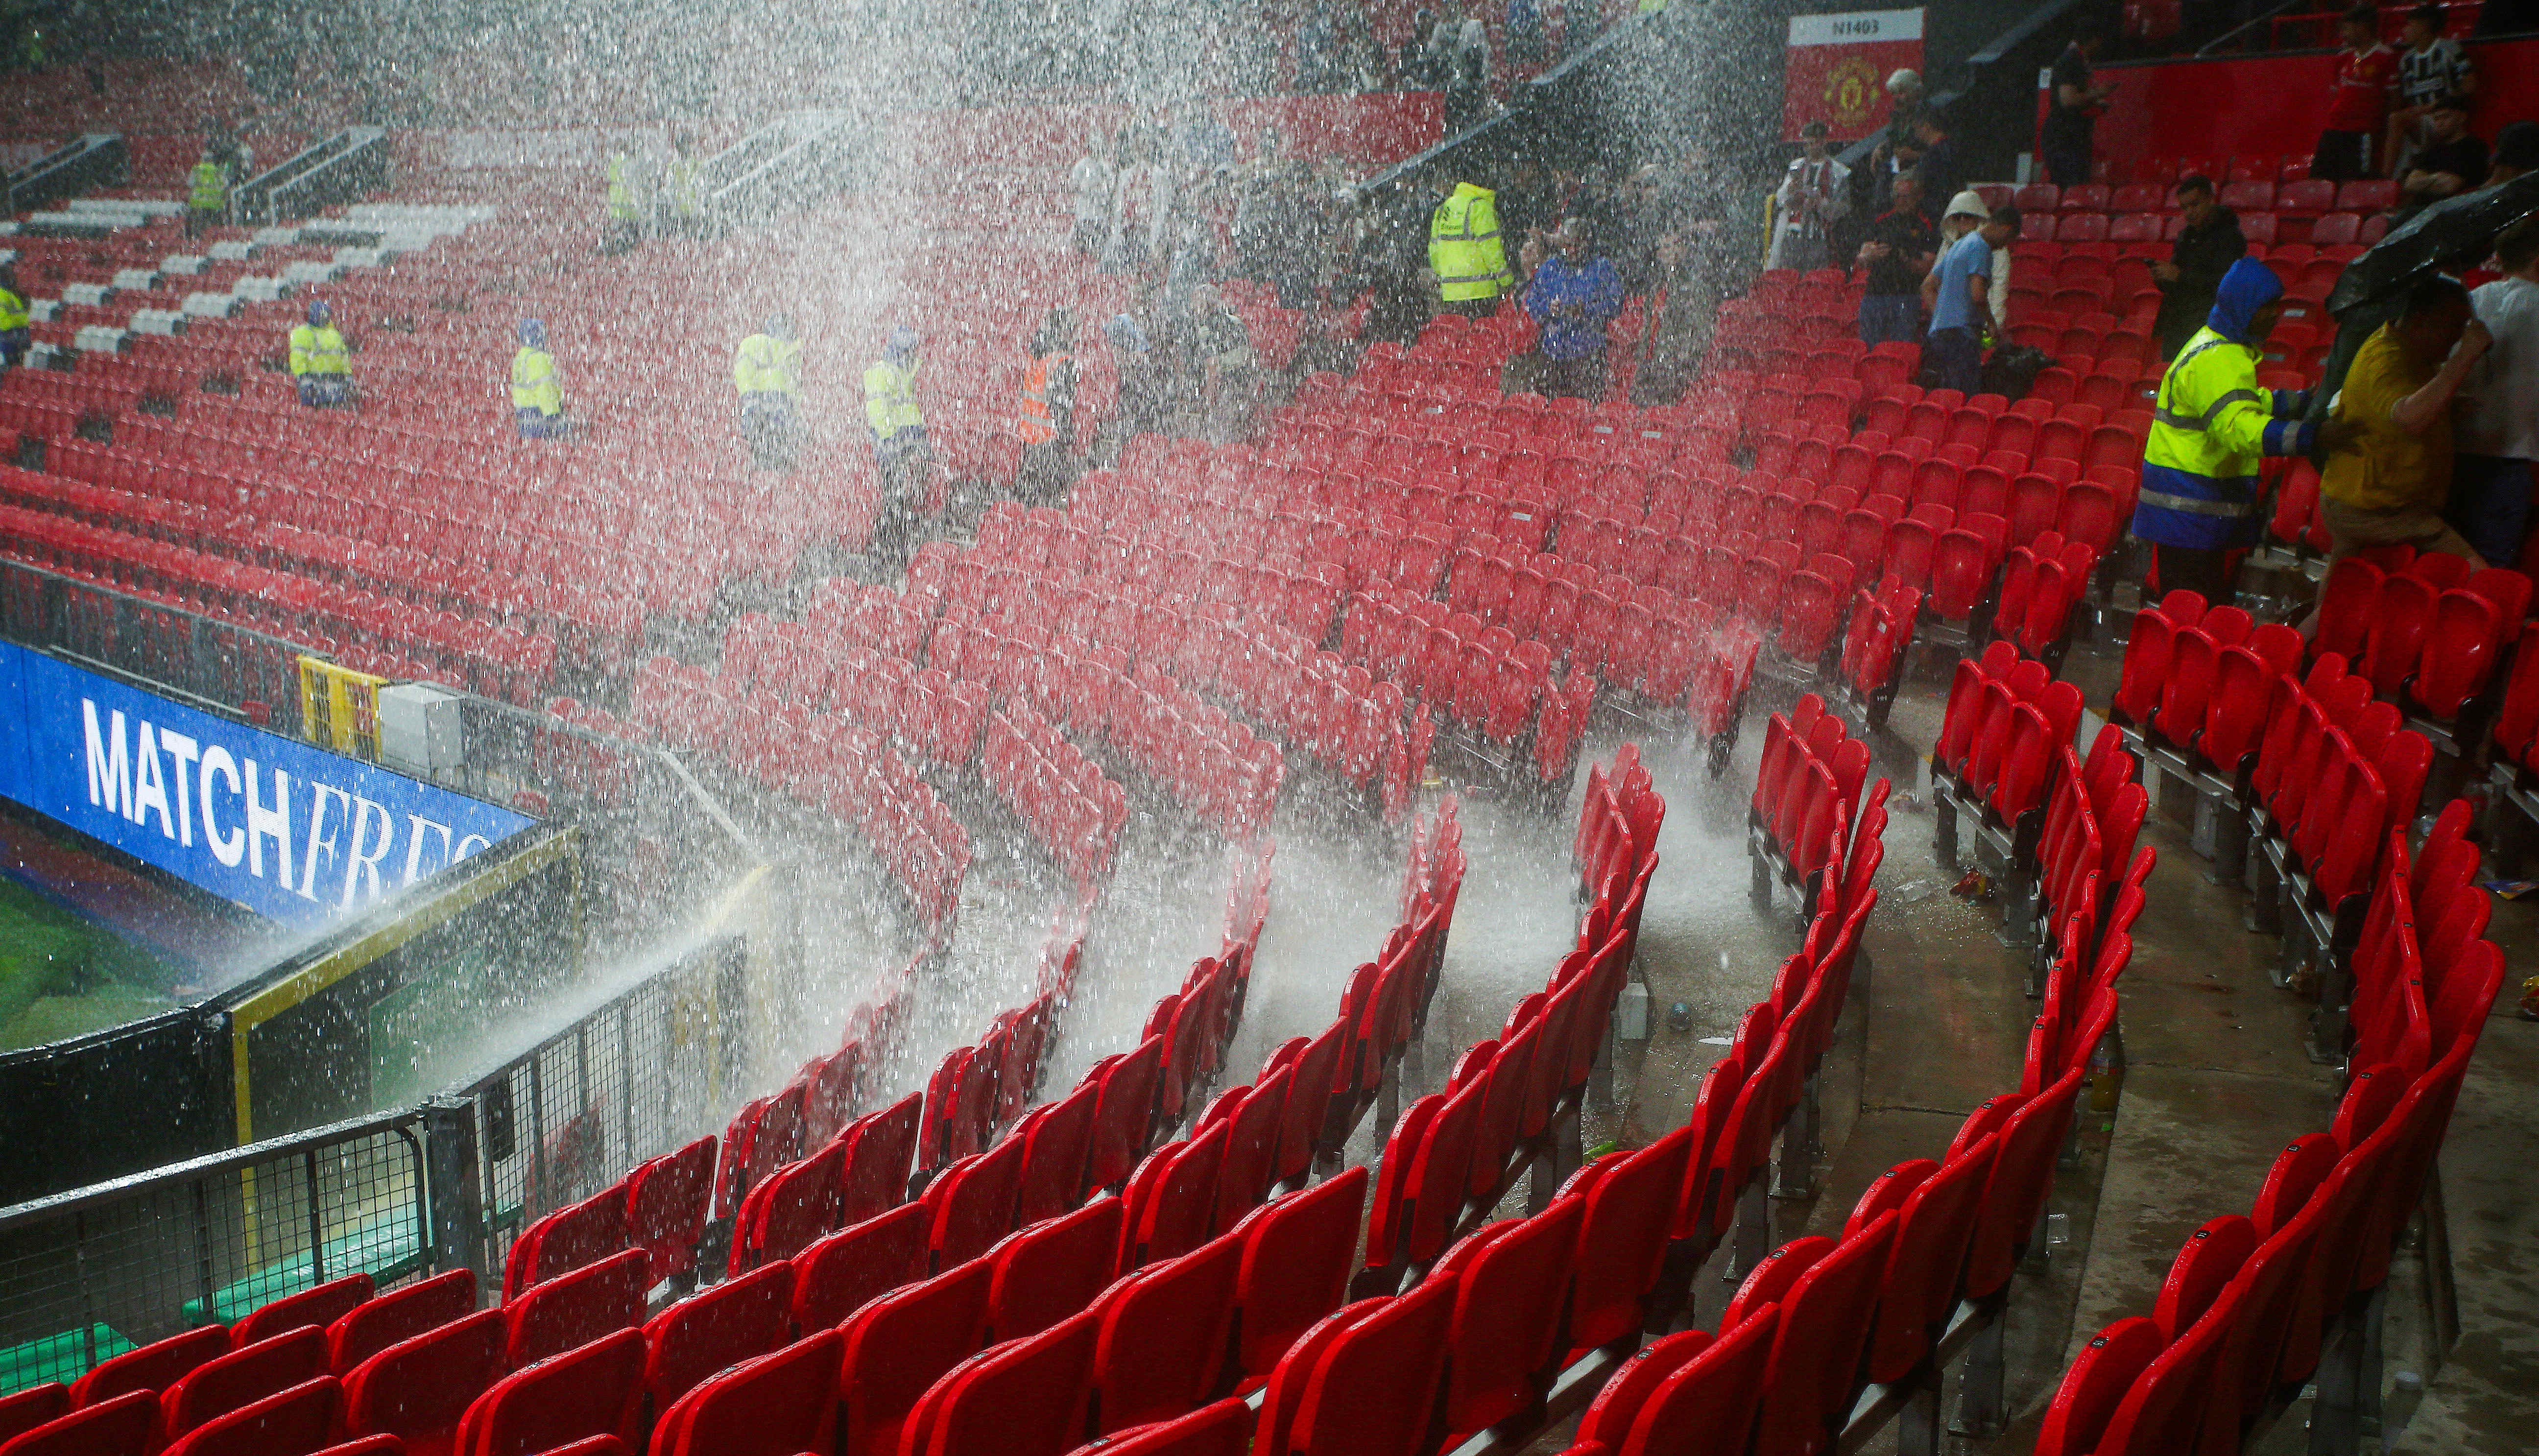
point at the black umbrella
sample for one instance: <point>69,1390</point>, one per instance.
<point>2451,234</point>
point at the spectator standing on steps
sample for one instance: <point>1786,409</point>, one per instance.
<point>2387,485</point>
<point>2067,143</point>
<point>2358,100</point>
<point>2206,247</point>
<point>1894,259</point>
<point>2497,439</point>
<point>1573,296</point>
<point>2210,426</point>
<point>1957,296</point>
<point>1814,194</point>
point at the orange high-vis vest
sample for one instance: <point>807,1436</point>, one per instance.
<point>1033,422</point>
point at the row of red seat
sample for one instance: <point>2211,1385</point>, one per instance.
<point>2303,195</point>
<point>2257,1306</point>
<point>2430,632</point>
<point>826,760</point>
<point>2089,875</point>
<point>1062,800</point>
<point>2335,773</point>
<point>1081,645</point>
<point>1800,819</point>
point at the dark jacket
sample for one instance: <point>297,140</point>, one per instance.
<point>2202,255</point>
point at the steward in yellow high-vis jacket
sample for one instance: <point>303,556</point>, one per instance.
<point>2210,426</point>
<point>1465,252</point>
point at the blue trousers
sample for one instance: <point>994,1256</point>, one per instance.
<point>1953,358</point>
<point>539,424</point>
<point>325,391</point>
<point>2490,505</point>
<point>1889,319</point>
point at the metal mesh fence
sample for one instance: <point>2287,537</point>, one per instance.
<point>641,1075</point>
<point>89,1275</point>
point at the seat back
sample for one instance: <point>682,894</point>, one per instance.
<point>1220,1429</point>
<point>123,1425</point>
<point>880,1149</point>
<point>1024,1397</point>
<point>1934,1223</point>
<point>153,1367</point>
<point>736,1320</point>
<point>1373,1386</point>
<point>242,1378</point>
<point>1163,1338</point>
<point>1716,1393</point>
<point>1295,1265</point>
<point>2105,1368</point>
<point>321,1305</point>
<point>418,1388</point>
<point>900,1344</point>
<point>294,1421</point>
<point>1508,1301</point>
<point>594,1389</point>
<point>842,1273</point>
<point>1051,1270</point>
<point>668,1203</point>
<point>577,1308</point>
<point>776,1404</point>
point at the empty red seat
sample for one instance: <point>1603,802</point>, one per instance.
<point>899,1346</point>
<point>153,1367</point>
<point>1052,1268</point>
<point>1365,1379</point>
<point>577,1308</point>
<point>124,1425</point>
<point>397,1315</point>
<point>321,1305</point>
<point>717,1328</point>
<point>776,1404</point>
<point>419,1388</point>
<point>594,1389</point>
<point>242,1378</point>
<point>1024,1397</point>
<point>297,1421</point>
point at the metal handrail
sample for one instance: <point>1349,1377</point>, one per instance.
<point>71,1200</point>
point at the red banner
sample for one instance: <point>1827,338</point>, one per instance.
<point>1838,68</point>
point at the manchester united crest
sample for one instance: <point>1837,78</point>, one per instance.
<point>1851,93</point>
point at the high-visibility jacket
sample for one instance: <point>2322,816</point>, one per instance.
<point>1463,245</point>
<point>211,187</point>
<point>1033,420</point>
<point>621,192</point>
<point>2210,427</point>
<point>890,399</point>
<point>768,365</point>
<point>318,349</point>
<point>13,311</point>
<point>533,381</point>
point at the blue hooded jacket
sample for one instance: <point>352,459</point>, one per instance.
<point>2200,486</point>
<point>2249,286</point>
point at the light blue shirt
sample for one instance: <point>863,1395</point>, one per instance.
<point>1967,257</point>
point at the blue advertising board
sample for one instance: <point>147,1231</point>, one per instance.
<point>282,827</point>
